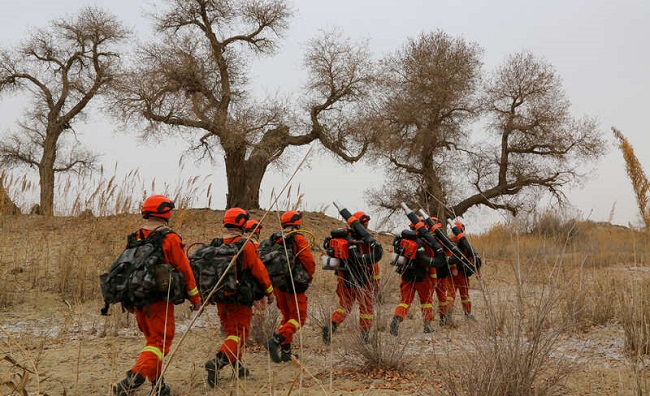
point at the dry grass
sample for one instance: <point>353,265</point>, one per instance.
<point>539,287</point>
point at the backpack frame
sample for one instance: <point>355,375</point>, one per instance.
<point>211,264</point>
<point>140,276</point>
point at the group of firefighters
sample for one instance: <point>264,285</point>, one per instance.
<point>156,320</point>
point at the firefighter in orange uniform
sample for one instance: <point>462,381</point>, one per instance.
<point>236,318</point>
<point>156,320</point>
<point>444,285</point>
<point>359,283</point>
<point>468,264</point>
<point>292,300</point>
<point>416,264</point>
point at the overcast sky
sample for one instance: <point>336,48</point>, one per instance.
<point>598,47</point>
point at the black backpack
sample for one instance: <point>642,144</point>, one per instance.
<point>140,275</point>
<point>211,263</point>
<point>281,264</point>
<point>406,257</point>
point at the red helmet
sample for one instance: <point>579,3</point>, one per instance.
<point>460,226</point>
<point>157,206</point>
<point>235,218</point>
<point>250,225</point>
<point>362,217</point>
<point>291,218</point>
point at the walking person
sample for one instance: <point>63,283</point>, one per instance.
<point>156,319</point>
<point>235,316</point>
<point>291,298</point>
<point>358,282</point>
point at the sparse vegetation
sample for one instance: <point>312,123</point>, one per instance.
<point>541,298</point>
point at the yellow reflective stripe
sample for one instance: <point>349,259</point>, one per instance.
<point>403,305</point>
<point>465,301</point>
<point>233,338</point>
<point>193,292</point>
<point>427,305</point>
<point>450,298</point>
<point>258,312</point>
<point>294,323</point>
<point>434,275</point>
<point>442,303</point>
<point>269,290</point>
<point>154,350</point>
<point>341,310</point>
<point>376,277</point>
<point>366,316</point>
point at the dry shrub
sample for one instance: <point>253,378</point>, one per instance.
<point>602,244</point>
<point>635,317</point>
<point>512,351</point>
<point>264,324</point>
<point>383,351</point>
<point>592,298</point>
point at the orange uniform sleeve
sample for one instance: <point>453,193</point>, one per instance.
<point>173,249</point>
<point>253,263</point>
<point>304,256</point>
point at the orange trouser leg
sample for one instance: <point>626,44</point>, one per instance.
<point>346,299</point>
<point>445,300</point>
<point>236,321</point>
<point>293,316</point>
<point>461,283</point>
<point>158,328</point>
<point>366,297</point>
<point>424,290</point>
<point>407,294</point>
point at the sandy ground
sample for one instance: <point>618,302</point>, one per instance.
<point>68,348</point>
<point>76,351</point>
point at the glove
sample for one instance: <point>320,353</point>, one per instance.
<point>195,307</point>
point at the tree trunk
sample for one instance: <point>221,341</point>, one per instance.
<point>46,174</point>
<point>244,179</point>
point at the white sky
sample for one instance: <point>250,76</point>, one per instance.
<point>599,48</point>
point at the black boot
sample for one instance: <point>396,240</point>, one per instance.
<point>213,366</point>
<point>445,319</point>
<point>242,372</point>
<point>328,330</point>
<point>128,384</point>
<point>273,345</point>
<point>160,388</point>
<point>428,327</point>
<point>394,325</point>
<point>285,353</point>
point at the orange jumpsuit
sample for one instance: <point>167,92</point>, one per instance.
<point>156,321</point>
<point>294,306</point>
<point>424,288</point>
<point>445,291</point>
<point>235,318</point>
<point>348,292</point>
<point>461,281</point>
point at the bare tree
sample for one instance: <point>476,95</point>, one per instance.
<point>62,69</point>
<point>194,81</point>
<point>539,146</point>
<point>431,97</point>
<point>428,98</point>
